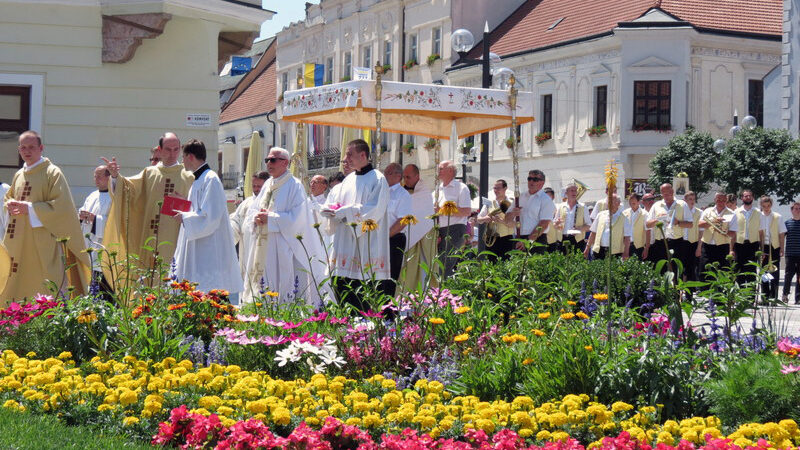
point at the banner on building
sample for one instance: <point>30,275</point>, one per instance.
<point>240,65</point>
<point>362,73</point>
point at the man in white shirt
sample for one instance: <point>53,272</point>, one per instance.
<point>774,239</point>
<point>93,215</point>
<point>610,232</point>
<point>536,212</point>
<point>667,220</point>
<point>719,234</point>
<point>692,246</point>
<point>399,207</point>
<point>452,228</point>
<point>205,252</point>
<point>318,186</point>
<point>571,222</point>
<point>749,235</point>
<point>640,235</point>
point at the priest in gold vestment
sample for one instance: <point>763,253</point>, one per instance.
<point>42,213</point>
<point>135,223</point>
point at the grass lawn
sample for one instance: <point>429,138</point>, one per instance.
<point>29,431</point>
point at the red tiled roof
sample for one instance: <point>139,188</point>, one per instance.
<point>527,28</point>
<point>256,93</point>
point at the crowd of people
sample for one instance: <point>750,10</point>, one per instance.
<point>361,229</point>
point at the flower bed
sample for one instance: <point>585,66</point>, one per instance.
<point>137,395</point>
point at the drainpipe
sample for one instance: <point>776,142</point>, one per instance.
<point>274,129</point>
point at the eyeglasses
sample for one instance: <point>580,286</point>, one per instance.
<point>272,160</point>
<point>535,179</point>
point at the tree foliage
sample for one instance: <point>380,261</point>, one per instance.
<point>760,160</point>
<point>766,161</point>
<point>691,152</point>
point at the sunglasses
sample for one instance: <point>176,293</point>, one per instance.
<point>535,179</point>
<point>272,160</point>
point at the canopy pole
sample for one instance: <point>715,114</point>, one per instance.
<point>512,102</point>
<point>299,157</point>
<point>376,154</point>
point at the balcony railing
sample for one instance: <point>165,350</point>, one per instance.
<point>230,180</point>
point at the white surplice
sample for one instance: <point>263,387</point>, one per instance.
<point>358,254</point>
<point>97,203</point>
<point>287,265</point>
<point>422,209</point>
<point>205,251</point>
<point>241,235</point>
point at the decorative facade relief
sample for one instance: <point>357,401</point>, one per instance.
<point>123,34</point>
<point>766,58</point>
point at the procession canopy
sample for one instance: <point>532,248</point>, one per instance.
<point>407,108</point>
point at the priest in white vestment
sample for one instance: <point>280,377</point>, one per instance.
<point>205,252</point>
<point>361,250</point>
<point>93,216</point>
<point>421,237</point>
<point>279,261</point>
<point>318,185</point>
<point>241,235</point>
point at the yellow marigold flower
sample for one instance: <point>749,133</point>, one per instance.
<point>468,329</point>
<point>543,435</point>
<point>461,337</point>
<point>128,421</point>
<point>588,348</point>
<point>87,316</point>
<point>544,315</point>
<point>369,225</point>
<point>272,294</point>
<point>568,316</point>
<point>409,220</point>
<point>581,315</point>
<point>449,208</point>
<point>65,355</point>
<point>462,309</point>
<point>436,320</point>
<point>620,406</point>
<point>600,297</point>
<point>572,303</point>
<point>537,332</point>
<point>527,361</point>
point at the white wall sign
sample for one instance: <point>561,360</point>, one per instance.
<point>198,120</point>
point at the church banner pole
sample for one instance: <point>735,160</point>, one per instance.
<point>376,154</point>
<point>512,102</point>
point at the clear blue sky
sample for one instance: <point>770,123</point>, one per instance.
<point>288,11</point>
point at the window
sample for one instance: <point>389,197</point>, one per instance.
<point>412,48</point>
<point>547,113</point>
<point>436,41</point>
<point>367,52</point>
<point>284,81</point>
<point>347,68</point>
<point>387,52</point>
<point>283,139</point>
<point>755,100</point>
<point>651,105</point>
<point>329,70</point>
<point>600,105</point>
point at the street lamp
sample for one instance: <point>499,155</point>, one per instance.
<point>748,123</point>
<point>462,42</point>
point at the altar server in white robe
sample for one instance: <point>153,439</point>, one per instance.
<point>93,215</point>
<point>362,252</point>
<point>294,268</point>
<point>205,251</point>
<point>241,235</point>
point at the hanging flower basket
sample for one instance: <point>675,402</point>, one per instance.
<point>429,144</point>
<point>510,142</point>
<point>466,148</point>
<point>598,130</point>
<point>408,148</point>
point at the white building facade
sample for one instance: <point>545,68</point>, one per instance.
<point>646,81</point>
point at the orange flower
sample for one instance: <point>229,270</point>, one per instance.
<point>148,320</point>
<point>176,306</point>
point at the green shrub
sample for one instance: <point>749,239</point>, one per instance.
<point>754,390</point>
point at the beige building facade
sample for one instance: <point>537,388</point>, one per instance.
<point>103,78</point>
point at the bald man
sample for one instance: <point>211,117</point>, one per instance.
<point>452,228</point>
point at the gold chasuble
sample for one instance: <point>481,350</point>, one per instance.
<point>33,255</point>
<point>135,221</point>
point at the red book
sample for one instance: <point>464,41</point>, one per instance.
<point>172,204</point>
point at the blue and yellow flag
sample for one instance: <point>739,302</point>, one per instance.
<point>313,75</point>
